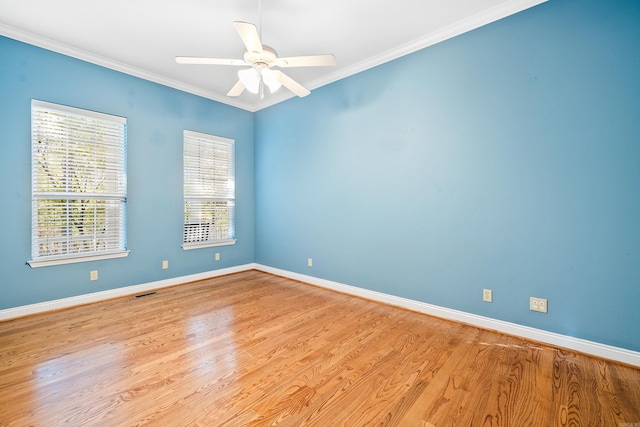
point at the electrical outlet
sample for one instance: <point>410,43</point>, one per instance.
<point>310,262</point>
<point>217,256</point>
<point>487,295</point>
<point>538,304</point>
<point>93,275</point>
<point>165,264</point>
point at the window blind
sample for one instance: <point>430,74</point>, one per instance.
<point>79,183</point>
<point>209,190</point>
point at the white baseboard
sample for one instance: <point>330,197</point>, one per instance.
<point>58,304</point>
<point>589,347</point>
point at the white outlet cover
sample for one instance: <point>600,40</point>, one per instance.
<point>542,305</point>
<point>538,304</point>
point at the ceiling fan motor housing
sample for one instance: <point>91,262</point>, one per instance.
<point>261,58</point>
<point>266,58</point>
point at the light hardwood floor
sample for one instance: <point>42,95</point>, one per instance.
<point>252,349</point>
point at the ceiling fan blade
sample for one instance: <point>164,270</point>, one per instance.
<point>307,61</point>
<point>249,35</point>
<point>291,84</point>
<point>237,89</point>
<point>208,61</point>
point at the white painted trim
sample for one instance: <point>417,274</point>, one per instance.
<point>58,304</point>
<point>589,347</point>
<point>460,27</point>
<point>471,23</point>
<point>83,55</point>
<point>190,246</point>
<point>48,262</point>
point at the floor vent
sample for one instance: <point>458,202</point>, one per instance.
<point>145,295</point>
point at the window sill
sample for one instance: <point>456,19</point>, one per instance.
<point>46,262</point>
<point>200,245</point>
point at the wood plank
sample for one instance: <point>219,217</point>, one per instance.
<point>253,349</point>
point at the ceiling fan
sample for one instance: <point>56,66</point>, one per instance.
<point>262,59</point>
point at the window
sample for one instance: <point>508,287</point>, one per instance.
<point>209,190</point>
<point>78,185</point>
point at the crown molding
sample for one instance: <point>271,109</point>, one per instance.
<point>473,22</point>
<point>453,30</point>
<point>446,33</point>
<point>64,49</point>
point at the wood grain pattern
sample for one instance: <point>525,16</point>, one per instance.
<point>252,349</point>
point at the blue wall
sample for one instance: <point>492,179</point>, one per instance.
<point>157,116</point>
<point>506,158</point>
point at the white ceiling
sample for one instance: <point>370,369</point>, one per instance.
<point>142,37</point>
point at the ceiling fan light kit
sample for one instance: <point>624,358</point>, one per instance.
<point>261,59</point>
<point>251,78</point>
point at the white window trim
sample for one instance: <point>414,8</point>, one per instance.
<point>211,243</point>
<point>60,260</point>
<point>188,247</point>
<point>46,261</point>
<point>79,111</point>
